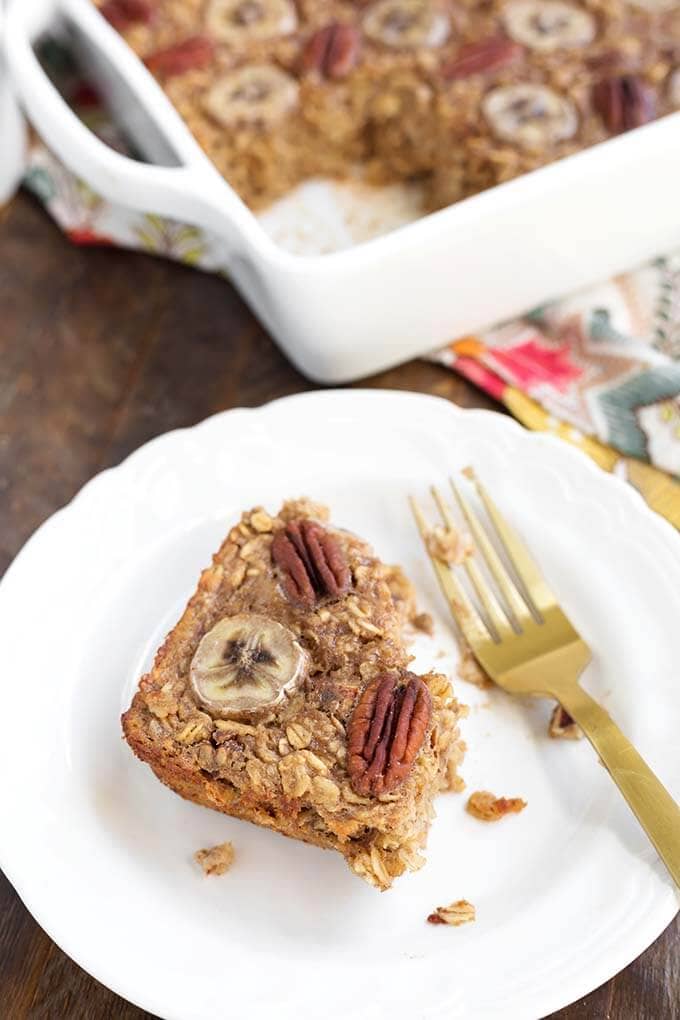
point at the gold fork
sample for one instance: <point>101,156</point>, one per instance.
<point>524,641</point>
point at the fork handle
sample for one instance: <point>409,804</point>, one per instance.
<point>650,801</point>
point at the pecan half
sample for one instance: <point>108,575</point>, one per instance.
<point>188,55</point>
<point>386,732</point>
<point>624,102</point>
<point>476,58</point>
<point>332,51</point>
<point>123,13</point>
<point>311,562</point>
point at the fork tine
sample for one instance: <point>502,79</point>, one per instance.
<point>525,566</point>
<point>465,614</point>
<point>494,612</point>
<point>514,600</point>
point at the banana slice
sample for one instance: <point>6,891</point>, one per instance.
<point>406,24</point>
<point>256,94</point>
<point>547,25</point>
<point>240,21</point>
<point>532,116</point>
<point>245,665</point>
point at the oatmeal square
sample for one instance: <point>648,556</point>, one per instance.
<point>284,697</point>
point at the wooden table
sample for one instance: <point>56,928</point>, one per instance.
<point>101,350</point>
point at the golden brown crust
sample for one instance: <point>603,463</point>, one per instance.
<point>287,770</point>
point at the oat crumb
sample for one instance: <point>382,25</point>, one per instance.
<point>460,912</point>
<point>562,726</point>
<point>487,808</point>
<point>448,545</point>
<point>468,669</point>
<point>215,860</point>
<point>456,784</point>
<point>424,623</point>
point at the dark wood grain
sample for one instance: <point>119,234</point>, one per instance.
<point>99,351</point>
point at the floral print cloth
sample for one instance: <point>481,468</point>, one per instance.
<point>606,361</point>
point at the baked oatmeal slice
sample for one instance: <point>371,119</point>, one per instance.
<point>283,696</point>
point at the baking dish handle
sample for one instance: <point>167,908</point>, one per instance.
<point>12,131</point>
<point>193,193</point>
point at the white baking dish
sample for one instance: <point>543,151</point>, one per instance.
<point>343,315</point>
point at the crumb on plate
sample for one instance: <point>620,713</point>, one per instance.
<point>487,808</point>
<point>468,669</point>
<point>424,623</point>
<point>215,860</point>
<point>448,545</point>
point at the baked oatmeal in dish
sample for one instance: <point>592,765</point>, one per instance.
<point>284,697</point>
<point>460,94</point>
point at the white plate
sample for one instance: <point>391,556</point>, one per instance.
<point>566,894</point>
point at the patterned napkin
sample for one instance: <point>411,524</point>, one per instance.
<point>600,368</point>
<point>605,361</point>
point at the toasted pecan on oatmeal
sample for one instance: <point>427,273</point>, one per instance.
<point>455,914</point>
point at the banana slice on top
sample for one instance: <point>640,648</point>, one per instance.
<point>255,94</point>
<point>406,24</point>
<point>532,116</point>
<point>547,25</point>
<point>239,21</point>
<point>245,665</point>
